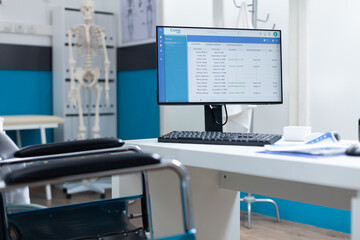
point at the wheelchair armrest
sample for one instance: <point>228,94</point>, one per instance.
<point>79,165</point>
<point>17,207</point>
<point>68,147</point>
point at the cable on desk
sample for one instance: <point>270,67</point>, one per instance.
<point>214,117</point>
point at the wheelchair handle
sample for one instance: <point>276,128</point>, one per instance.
<point>18,160</point>
<point>69,147</point>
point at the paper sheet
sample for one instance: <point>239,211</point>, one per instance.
<point>326,144</point>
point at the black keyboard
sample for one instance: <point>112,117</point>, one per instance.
<point>226,138</point>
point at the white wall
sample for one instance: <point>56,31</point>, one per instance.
<point>184,13</point>
<point>334,66</point>
<point>268,118</point>
<point>188,13</point>
<point>39,12</point>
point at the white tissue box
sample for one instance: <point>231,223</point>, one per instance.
<point>296,133</point>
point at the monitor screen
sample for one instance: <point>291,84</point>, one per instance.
<point>218,66</point>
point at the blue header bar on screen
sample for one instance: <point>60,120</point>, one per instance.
<point>230,39</point>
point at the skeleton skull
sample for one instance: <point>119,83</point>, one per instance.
<point>87,9</point>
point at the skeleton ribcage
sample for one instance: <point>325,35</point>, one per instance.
<point>80,47</point>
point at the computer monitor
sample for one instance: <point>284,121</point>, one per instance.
<point>217,66</point>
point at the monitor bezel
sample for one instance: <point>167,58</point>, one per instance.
<point>218,103</point>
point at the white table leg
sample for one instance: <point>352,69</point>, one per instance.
<point>355,217</point>
<point>43,135</point>
<point>48,186</point>
<point>216,210</point>
<point>18,138</point>
<point>48,192</point>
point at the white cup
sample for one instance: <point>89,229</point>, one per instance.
<point>296,133</point>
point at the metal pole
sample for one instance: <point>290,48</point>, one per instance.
<point>254,13</point>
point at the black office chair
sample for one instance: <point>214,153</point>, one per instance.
<point>101,219</point>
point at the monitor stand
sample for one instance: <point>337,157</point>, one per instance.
<point>210,124</point>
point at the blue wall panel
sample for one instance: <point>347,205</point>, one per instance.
<point>26,92</point>
<point>324,217</point>
<point>138,112</point>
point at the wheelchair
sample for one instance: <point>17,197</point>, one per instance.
<point>104,219</point>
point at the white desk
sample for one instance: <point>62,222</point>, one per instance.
<point>25,122</point>
<point>216,171</point>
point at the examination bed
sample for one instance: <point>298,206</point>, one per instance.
<point>73,161</point>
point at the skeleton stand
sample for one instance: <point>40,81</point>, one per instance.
<point>89,37</point>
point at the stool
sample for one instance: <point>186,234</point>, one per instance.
<point>249,199</point>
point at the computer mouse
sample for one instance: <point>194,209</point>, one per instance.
<point>336,135</point>
<point>353,150</point>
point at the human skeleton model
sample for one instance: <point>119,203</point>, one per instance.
<point>90,40</point>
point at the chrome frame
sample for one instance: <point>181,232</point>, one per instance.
<point>174,165</point>
<point>147,196</point>
<point>249,199</point>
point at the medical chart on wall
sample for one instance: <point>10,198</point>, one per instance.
<point>138,20</point>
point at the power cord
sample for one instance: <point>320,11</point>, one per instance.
<point>214,117</point>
